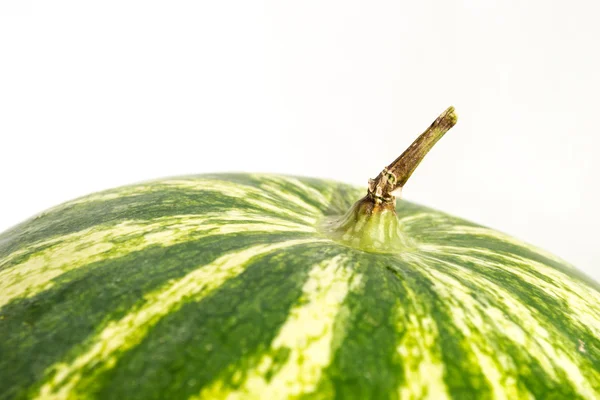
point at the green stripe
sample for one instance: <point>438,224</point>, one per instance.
<point>473,237</point>
<point>203,340</point>
<point>502,325</point>
<point>177,196</point>
<point>338,196</point>
<point>366,364</point>
<point>294,362</point>
<point>556,295</point>
<point>82,301</point>
<point>36,272</point>
<point>463,374</point>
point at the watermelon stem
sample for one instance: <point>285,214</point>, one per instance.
<point>371,224</point>
<point>390,181</point>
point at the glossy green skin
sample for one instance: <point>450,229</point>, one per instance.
<point>462,312</point>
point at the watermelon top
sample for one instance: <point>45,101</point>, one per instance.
<point>243,286</point>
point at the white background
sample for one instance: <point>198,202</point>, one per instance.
<point>99,94</point>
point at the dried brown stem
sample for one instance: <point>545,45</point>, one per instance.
<point>395,175</point>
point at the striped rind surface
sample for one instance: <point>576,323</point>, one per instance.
<point>224,287</point>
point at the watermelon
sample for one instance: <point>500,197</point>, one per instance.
<point>258,286</point>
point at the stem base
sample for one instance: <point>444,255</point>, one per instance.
<point>370,227</point>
